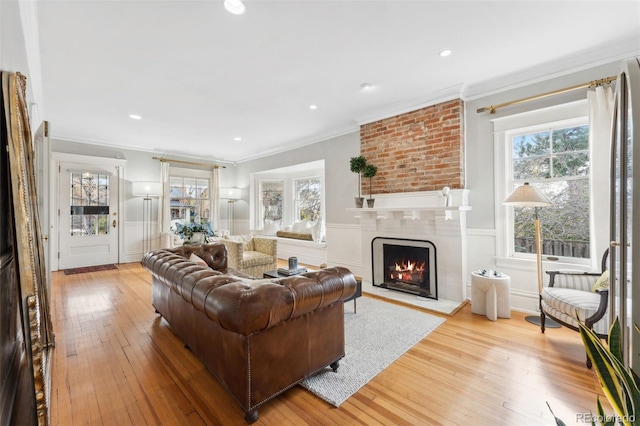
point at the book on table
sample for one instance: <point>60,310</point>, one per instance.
<point>296,271</point>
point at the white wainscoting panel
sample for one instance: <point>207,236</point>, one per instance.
<point>344,247</point>
<point>133,240</point>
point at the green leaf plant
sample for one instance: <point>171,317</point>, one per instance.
<point>357,165</point>
<point>370,171</point>
<point>619,385</point>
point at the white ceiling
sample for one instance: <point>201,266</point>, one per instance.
<point>200,76</point>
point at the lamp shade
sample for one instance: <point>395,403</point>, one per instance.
<point>230,193</point>
<point>527,196</point>
<point>146,189</point>
<point>234,6</point>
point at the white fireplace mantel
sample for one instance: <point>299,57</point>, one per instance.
<point>407,213</point>
<point>422,216</point>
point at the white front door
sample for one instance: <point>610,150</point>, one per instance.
<point>88,216</point>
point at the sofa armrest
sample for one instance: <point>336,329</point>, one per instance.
<point>266,245</point>
<point>235,252</point>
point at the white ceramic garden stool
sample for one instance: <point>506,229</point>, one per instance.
<point>491,295</point>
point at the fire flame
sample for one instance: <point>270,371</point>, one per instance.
<point>408,270</point>
<point>410,266</point>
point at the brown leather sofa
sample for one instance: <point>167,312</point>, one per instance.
<point>258,337</point>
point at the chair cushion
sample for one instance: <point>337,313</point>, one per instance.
<point>564,303</point>
<point>255,258</point>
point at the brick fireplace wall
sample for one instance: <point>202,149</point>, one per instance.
<point>421,150</point>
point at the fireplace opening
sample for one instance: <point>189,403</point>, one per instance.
<point>405,265</point>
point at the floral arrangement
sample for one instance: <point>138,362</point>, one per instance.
<point>187,231</point>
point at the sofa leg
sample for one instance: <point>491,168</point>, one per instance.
<point>251,416</point>
<point>334,366</point>
<point>542,319</point>
<point>186,346</point>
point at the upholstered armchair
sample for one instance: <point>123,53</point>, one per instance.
<point>573,295</point>
<point>251,255</point>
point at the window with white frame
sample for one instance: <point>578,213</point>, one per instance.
<point>548,149</point>
<point>272,200</point>
<point>554,158</point>
<point>190,199</point>
<point>308,201</point>
<point>283,196</point>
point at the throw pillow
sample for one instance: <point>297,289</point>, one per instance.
<point>300,227</point>
<point>197,259</point>
<point>270,227</point>
<point>315,229</point>
<point>602,283</point>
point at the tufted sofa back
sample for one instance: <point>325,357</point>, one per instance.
<point>241,304</point>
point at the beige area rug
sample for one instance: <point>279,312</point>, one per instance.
<point>376,336</point>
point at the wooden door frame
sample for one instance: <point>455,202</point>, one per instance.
<point>54,175</point>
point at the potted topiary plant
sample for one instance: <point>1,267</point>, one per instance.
<point>370,171</point>
<point>357,166</point>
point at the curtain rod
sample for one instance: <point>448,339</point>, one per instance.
<point>492,108</point>
<point>193,163</point>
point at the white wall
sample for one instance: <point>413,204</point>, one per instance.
<point>13,53</point>
<point>479,151</point>
<point>342,230</point>
<point>140,166</point>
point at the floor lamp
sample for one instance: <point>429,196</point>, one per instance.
<point>231,195</point>
<point>146,190</point>
<point>529,196</point>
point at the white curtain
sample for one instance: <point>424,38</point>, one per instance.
<point>165,199</point>
<point>600,122</point>
<point>215,199</point>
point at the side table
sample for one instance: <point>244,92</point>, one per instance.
<point>491,295</point>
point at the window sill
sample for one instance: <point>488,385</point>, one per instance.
<point>529,264</point>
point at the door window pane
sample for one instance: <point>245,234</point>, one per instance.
<point>89,204</point>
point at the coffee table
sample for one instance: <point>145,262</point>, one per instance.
<point>358,293</point>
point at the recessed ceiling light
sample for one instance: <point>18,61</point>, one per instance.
<point>313,106</point>
<point>445,53</point>
<point>135,117</point>
<point>237,139</point>
<point>366,86</point>
<point>234,6</point>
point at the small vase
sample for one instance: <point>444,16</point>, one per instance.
<point>370,202</point>
<point>359,202</point>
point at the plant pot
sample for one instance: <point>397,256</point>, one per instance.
<point>370,202</point>
<point>196,238</point>
<point>359,202</point>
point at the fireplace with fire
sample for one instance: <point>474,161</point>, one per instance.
<point>405,265</point>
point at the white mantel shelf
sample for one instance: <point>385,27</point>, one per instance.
<point>412,213</point>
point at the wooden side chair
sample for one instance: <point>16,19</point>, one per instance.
<point>573,296</point>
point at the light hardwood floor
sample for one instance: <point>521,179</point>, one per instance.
<point>116,362</point>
